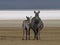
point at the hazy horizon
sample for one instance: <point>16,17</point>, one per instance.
<point>18,23</point>
<point>50,18</point>
<point>19,15</point>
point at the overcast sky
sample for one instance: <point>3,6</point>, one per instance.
<point>29,4</point>
<point>44,14</point>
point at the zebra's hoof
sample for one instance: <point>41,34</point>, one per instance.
<point>22,39</point>
<point>37,39</point>
<point>28,39</point>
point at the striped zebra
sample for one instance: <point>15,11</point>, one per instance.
<point>36,25</point>
<point>26,27</point>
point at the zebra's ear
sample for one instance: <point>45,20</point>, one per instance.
<point>34,11</point>
<point>26,16</point>
<point>30,17</point>
<point>38,11</point>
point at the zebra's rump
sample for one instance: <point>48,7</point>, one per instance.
<point>36,26</point>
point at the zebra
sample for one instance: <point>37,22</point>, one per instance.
<point>36,25</point>
<point>26,27</point>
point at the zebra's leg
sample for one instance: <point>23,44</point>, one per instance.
<point>39,34</point>
<point>29,34</point>
<point>34,35</point>
<point>23,35</point>
<point>26,34</point>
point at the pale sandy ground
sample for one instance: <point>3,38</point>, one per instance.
<point>11,34</point>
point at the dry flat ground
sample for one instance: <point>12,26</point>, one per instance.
<point>13,36</point>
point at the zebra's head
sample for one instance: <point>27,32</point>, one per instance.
<point>36,13</point>
<point>36,19</point>
<point>29,18</point>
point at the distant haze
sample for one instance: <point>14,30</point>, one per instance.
<point>18,23</point>
<point>14,18</point>
<point>21,14</point>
